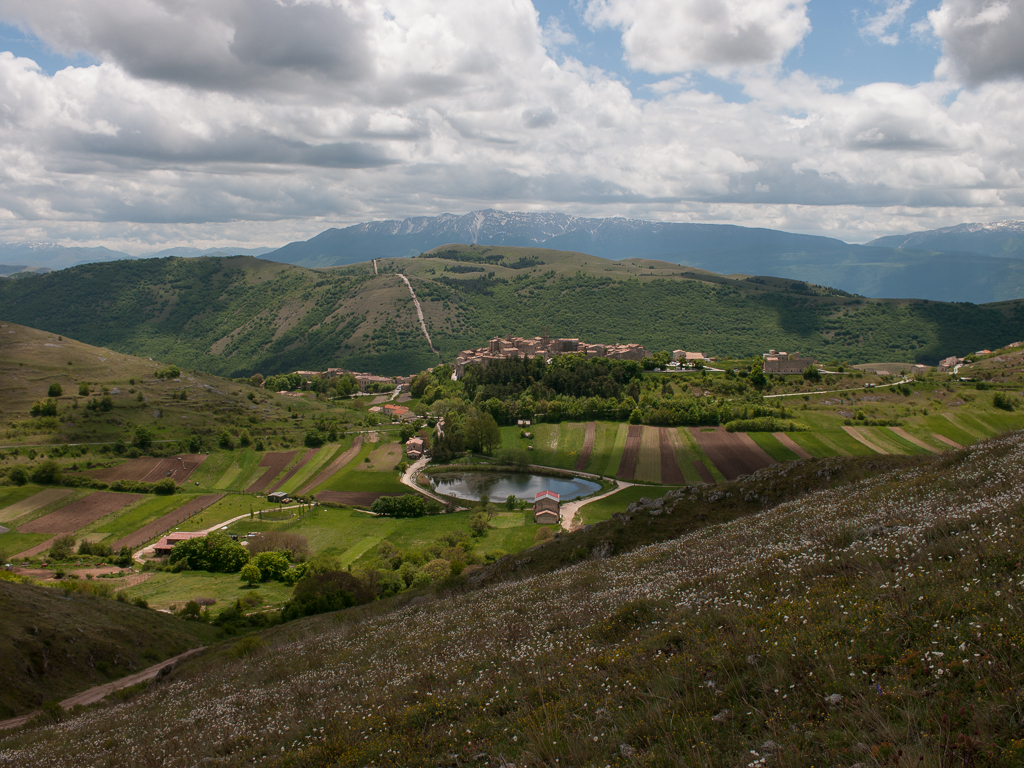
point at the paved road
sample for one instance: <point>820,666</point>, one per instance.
<point>93,695</point>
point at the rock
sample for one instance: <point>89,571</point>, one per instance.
<point>834,699</point>
<point>622,517</point>
<point>626,751</point>
<point>654,512</point>
<point>603,550</point>
<point>723,717</point>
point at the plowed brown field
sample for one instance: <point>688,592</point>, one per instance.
<point>334,466</point>
<point>79,514</point>
<point>631,453</point>
<point>734,453</point>
<point>352,498</point>
<point>588,446</point>
<point>274,462</point>
<point>704,472</point>
<point>671,474</point>
<point>790,443</point>
<point>149,470</point>
<point>32,503</point>
<point>158,526</point>
<point>291,472</point>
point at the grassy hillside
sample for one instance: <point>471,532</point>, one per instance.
<point>874,619</point>
<point>171,409</point>
<point>239,315</point>
<point>56,643</point>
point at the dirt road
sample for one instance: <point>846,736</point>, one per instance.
<point>93,695</point>
<point>419,312</point>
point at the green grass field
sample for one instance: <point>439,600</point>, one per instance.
<point>129,519</point>
<point>603,509</point>
<point>320,459</point>
<point>770,444</point>
<point>162,590</point>
<point>337,481</point>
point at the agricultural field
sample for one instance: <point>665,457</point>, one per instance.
<point>150,470</point>
<point>163,590</point>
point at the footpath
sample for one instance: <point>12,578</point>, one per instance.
<point>92,695</point>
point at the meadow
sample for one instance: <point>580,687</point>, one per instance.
<point>876,621</point>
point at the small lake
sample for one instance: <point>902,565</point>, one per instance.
<point>499,486</point>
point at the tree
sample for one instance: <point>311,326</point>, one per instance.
<point>478,524</point>
<point>251,574</point>
<point>62,547</point>
<point>55,390</point>
<point>226,440</point>
<point>244,439</point>
<point>272,565</point>
<point>47,473</point>
<point>83,389</point>
<point>811,373</point>
<point>143,438</point>
<point>215,552</point>
<point>165,486</point>
<point>46,407</point>
<point>314,439</point>
<point>481,431</point>
<point>18,475</point>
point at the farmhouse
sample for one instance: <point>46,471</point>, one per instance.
<point>547,508</point>
<point>278,497</point>
<point>414,447</point>
<point>783,363</point>
<point>163,547</point>
<point>682,356</point>
<point>950,364</point>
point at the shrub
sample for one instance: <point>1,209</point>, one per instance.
<point>273,566</point>
<point>83,389</point>
<point>215,552</point>
<point>18,475</point>
<point>294,546</point>
<point>250,574</point>
<point>763,424</point>
<point>165,487</point>
<point>314,439</point>
<point>170,372</point>
<point>437,570</point>
<point>226,441</point>
<point>46,407</point>
<point>62,547</point>
<point>55,390</point>
<point>1003,401</point>
<point>320,593</point>
<point>47,473</point>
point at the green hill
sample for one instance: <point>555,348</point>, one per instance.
<point>874,620</point>
<point>239,315</point>
<point>56,643</point>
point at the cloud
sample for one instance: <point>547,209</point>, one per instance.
<point>880,26</point>
<point>981,39</point>
<point>426,106</point>
<point>669,36</point>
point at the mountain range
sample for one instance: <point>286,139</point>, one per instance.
<point>976,263</point>
<point>239,315</point>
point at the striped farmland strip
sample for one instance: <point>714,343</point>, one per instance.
<point>324,475</point>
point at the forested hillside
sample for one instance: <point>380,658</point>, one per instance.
<point>240,315</point>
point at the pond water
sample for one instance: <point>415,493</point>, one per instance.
<point>499,486</point>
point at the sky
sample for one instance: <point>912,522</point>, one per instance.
<point>145,124</point>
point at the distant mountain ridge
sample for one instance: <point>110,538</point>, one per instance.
<point>871,270</point>
<point>1000,238</point>
<point>31,256</point>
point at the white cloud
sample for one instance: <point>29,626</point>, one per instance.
<point>450,107</point>
<point>669,36</point>
<point>880,26</point>
<point>981,39</point>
